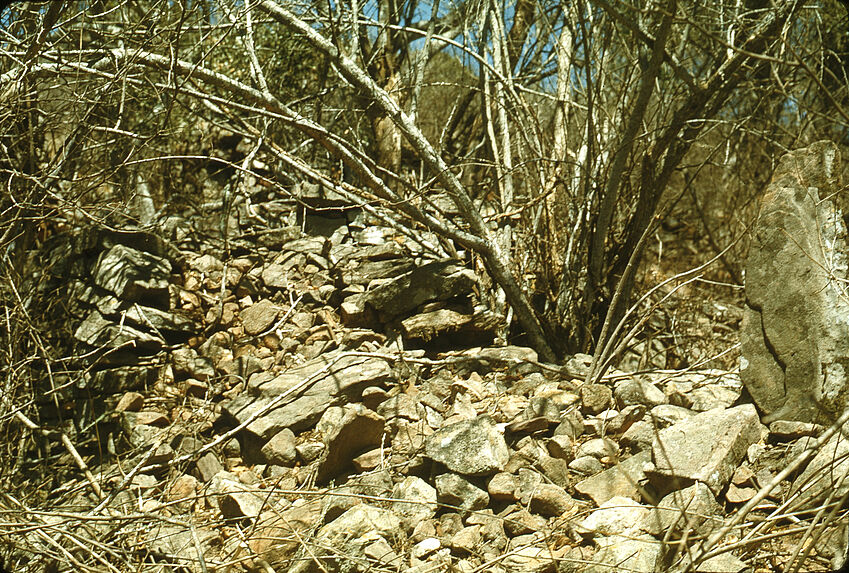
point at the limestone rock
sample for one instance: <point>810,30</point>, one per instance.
<point>708,446</point>
<point>333,378</point>
<point>692,509</point>
<point>420,501</point>
<point>616,516</point>
<point>620,480</point>
<point>795,331</point>
<point>358,429</point>
<point>134,276</point>
<point>457,491</point>
<point>471,447</point>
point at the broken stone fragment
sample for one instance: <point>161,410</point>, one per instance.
<point>471,447</point>
<point>706,447</point>
<point>134,276</point>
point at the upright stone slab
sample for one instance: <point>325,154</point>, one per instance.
<point>795,332</point>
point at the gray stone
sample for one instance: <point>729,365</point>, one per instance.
<point>640,554</point>
<point>357,430</point>
<point>795,331</point>
<point>595,397</point>
<point>470,447</point>
<point>623,479</point>
<point>693,509</point>
<point>586,465</point>
<point>134,276</point>
<point>616,516</point>
<point>280,450</point>
<point>550,500</point>
<point>334,378</point>
<point>260,316</point>
<point>633,391</point>
<point>160,320</point>
<point>98,332</point>
<point>456,491</point>
<point>707,447</point>
<point>420,501</point>
<point>826,473</point>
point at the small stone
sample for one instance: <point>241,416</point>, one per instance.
<point>598,448</point>
<point>130,402</point>
<point>502,487</point>
<point>471,447</point>
<point>467,539</point>
<point>280,450</point>
<point>457,491</point>
<point>595,398</point>
<point>550,500</point>
<point>586,465</point>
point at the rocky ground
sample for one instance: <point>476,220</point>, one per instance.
<point>333,400</point>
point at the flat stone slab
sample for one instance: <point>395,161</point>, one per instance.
<point>707,447</point>
<point>620,480</point>
<point>134,275</point>
<point>328,380</point>
<point>470,447</point>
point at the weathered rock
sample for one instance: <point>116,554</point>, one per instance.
<point>616,516</point>
<point>633,391</point>
<point>134,276</point>
<point>259,316</point>
<point>639,554</point>
<point>471,447</point>
<point>693,509</point>
<point>622,480</point>
<point>595,397</point>
<point>98,332</point>
<point>207,466</point>
<point>795,331</point>
<point>356,430</point>
<point>280,450</point>
<point>455,490</point>
<point>707,447</point>
<point>420,501</point>
<point>336,378</point>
